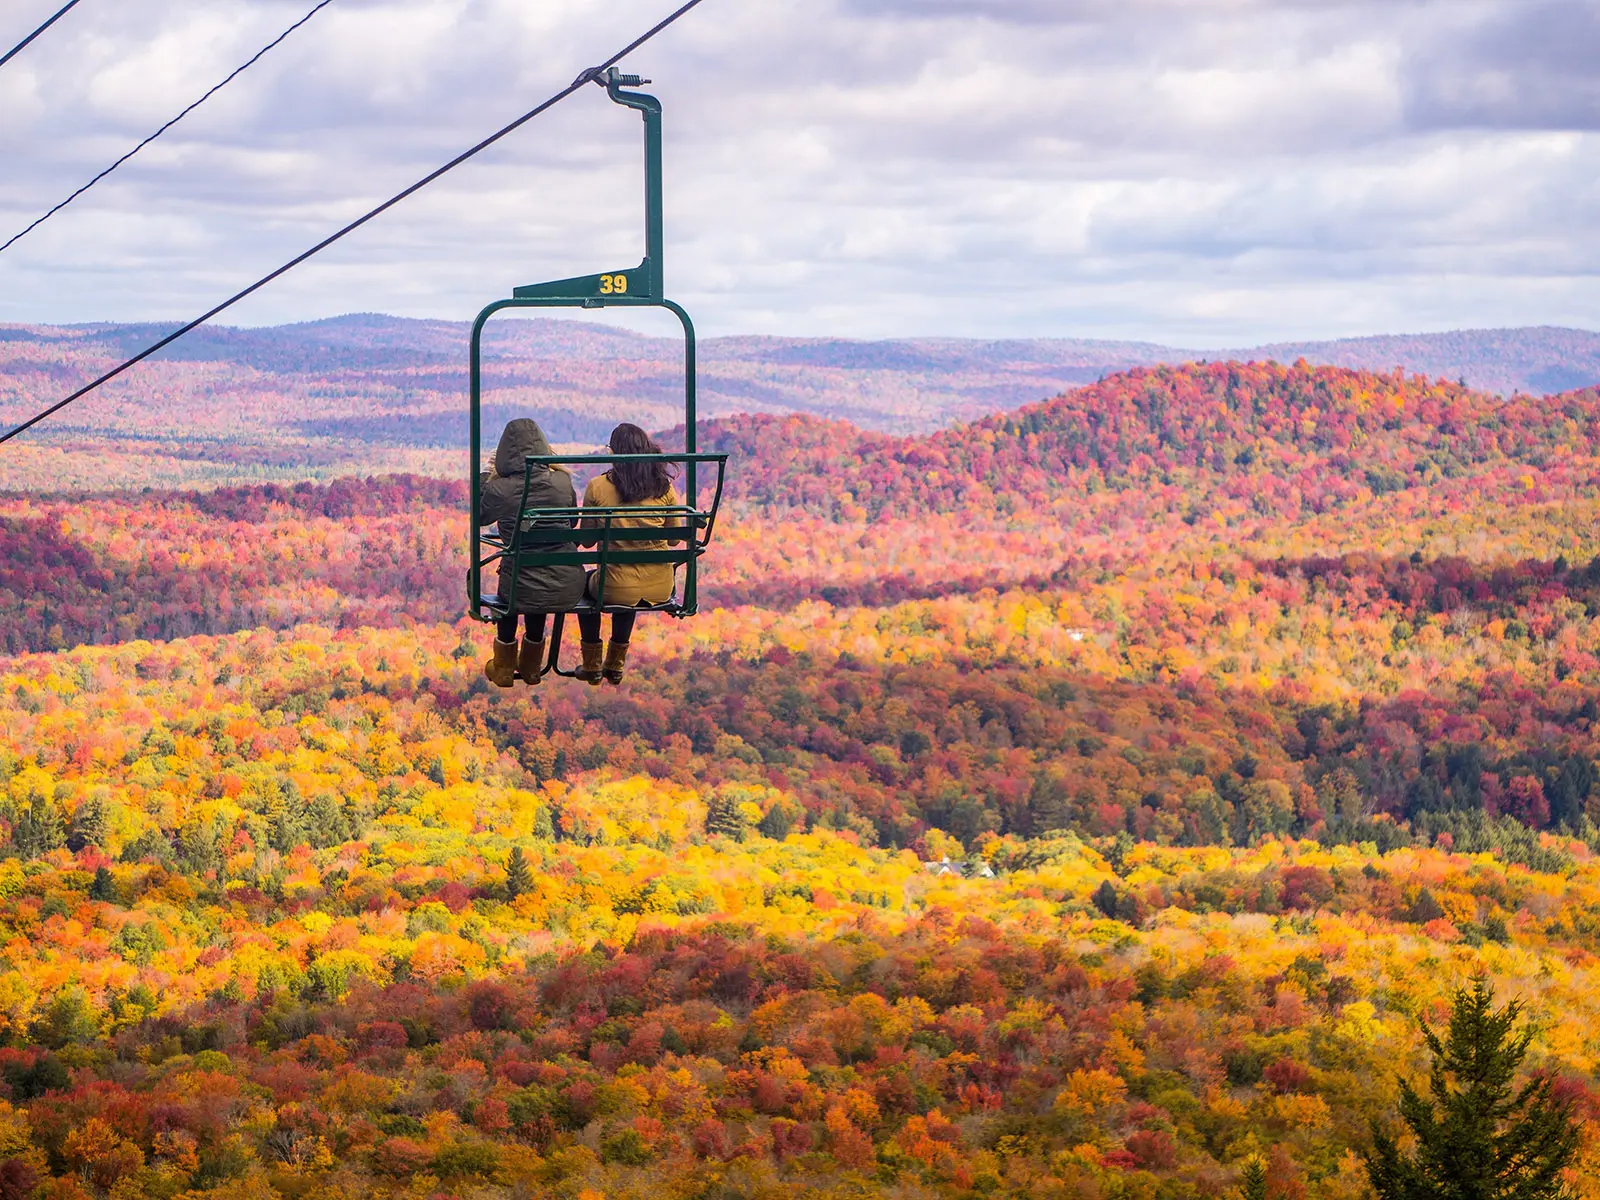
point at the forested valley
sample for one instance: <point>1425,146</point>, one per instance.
<point>1092,801</point>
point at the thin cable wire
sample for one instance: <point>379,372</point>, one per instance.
<point>588,76</point>
<point>23,44</point>
<point>17,237</point>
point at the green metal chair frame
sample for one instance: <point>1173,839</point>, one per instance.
<point>551,536</point>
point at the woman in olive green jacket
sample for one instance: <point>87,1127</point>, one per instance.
<point>540,590</point>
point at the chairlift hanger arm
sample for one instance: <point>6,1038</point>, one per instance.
<point>644,283</point>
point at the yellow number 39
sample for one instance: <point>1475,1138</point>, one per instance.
<point>613,285</point>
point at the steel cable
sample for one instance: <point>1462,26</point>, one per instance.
<point>585,78</point>
<point>238,71</point>
<point>25,42</point>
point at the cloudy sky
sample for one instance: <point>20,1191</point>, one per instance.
<point>1198,172</point>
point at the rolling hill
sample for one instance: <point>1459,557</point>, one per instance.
<point>364,393</point>
<point>1303,437</point>
<point>1083,800</point>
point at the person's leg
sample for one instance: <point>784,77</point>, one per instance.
<point>590,647</point>
<point>530,658</point>
<point>501,670</point>
<point>617,651</point>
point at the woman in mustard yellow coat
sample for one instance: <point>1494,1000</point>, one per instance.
<point>642,486</point>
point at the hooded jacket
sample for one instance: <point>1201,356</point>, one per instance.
<point>539,589</point>
<point>634,583</point>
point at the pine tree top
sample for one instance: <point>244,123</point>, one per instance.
<point>1479,1134</point>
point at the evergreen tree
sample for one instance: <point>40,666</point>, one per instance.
<point>200,847</point>
<point>723,817</point>
<point>1253,1180</point>
<point>1105,898</point>
<point>325,823</point>
<point>41,829</point>
<point>88,826</point>
<point>103,886</point>
<point>286,817</point>
<point>776,822</point>
<point>1479,1135</point>
<point>519,879</point>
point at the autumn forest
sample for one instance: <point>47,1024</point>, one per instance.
<point>1092,801</point>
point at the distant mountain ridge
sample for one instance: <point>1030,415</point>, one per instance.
<point>364,392</point>
<point>1537,360</point>
<point>1533,359</point>
<point>940,380</point>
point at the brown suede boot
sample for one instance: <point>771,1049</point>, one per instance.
<point>616,660</point>
<point>589,672</point>
<point>502,668</point>
<point>530,661</point>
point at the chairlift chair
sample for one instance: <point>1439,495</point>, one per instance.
<point>550,536</point>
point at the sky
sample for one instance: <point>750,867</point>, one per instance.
<point>1202,173</point>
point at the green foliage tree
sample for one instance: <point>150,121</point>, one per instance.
<point>286,817</point>
<point>103,886</point>
<point>67,1020</point>
<point>1253,1180</point>
<point>776,822</point>
<point>1426,908</point>
<point>41,829</point>
<point>325,822</point>
<point>1479,1135</point>
<point>88,826</point>
<point>200,846</point>
<point>723,817</point>
<point>519,879</point>
<point>1105,898</point>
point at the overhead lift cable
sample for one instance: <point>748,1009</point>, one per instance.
<point>257,57</point>
<point>592,75</point>
<point>25,42</point>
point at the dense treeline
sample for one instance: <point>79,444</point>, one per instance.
<point>1420,587</point>
<point>1094,836</point>
<point>889,753</point>
<point>1310,437</point>
<point>893,751</point>
<point>340,499</point>
<point>286,916</point>
<point>1199,462</point>
<point>172,564</point>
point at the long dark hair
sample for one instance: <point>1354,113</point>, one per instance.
<point>637,482</point>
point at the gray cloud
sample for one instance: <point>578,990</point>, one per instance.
<point>1199,171</point>
<point>1529,65</point>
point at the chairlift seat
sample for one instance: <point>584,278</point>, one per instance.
<point>555,537</point>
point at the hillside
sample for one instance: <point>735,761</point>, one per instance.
<point>1281,539</point>
<point>1029,498</point>
<point>1301,439</point>
<point>1241,711</point>
<point>270,936</point>
<point>366,393</point>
